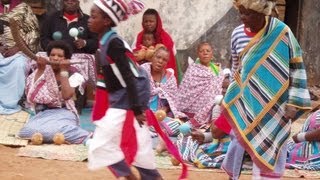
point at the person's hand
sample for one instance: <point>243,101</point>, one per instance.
<point>197,135</point>
<point>140,54</point>
<point>10,51</point>
<point>141,118</point>
<point>80,43</point>
<point>64,65</point>
<point>295,139</point>
<point>290,112</point>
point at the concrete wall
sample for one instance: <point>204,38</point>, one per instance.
<point>192,21</point>
<point>188,22</point>
<point>185,20</point>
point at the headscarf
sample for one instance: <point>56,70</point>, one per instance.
<point>262,6</point>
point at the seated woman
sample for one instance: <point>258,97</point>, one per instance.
<point>49,90</point>
<point>206,149</point>
<point>163,87</point>
<point>304,150</point>
<point>200,84</point>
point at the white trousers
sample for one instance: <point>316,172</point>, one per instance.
<point>104,149</point>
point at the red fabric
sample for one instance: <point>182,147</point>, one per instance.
<point>164,38</point>
<point>70,17</point>
<point>13,4</point>
<point>249,33</point>
<point>129,143</point>
<point>222,123</point>
<point>101,102</point>
<point>172,149</point>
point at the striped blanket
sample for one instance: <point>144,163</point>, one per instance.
<point>272,77</point>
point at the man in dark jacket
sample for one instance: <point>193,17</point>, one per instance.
<point>58,25</point>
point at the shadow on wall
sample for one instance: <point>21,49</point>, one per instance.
<point>218,36</point>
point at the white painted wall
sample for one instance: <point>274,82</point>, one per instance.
<point>185,20</point>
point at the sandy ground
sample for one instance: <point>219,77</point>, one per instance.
<point>13,167</point>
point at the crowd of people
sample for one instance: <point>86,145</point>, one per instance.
<point>217,116</point>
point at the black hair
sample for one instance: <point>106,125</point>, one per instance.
<point>151,12</point>
<point>148,33</point>
<point>60,45</point>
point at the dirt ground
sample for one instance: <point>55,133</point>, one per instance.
<point>13,167</point>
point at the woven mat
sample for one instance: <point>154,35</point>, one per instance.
<point>10,125</point>
<point>58,152</point>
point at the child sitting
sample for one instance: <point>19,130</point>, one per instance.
<point>144,53</point>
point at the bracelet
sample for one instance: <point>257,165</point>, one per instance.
<point>64,74</point>
<point>301,137</point>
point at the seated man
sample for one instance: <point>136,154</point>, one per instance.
<point>12,62</point>
<point>58,25</point>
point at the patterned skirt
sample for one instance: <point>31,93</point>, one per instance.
<point>52,121</point>
<point>208,155</point>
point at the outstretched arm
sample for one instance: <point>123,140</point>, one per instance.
<point>307,136</point>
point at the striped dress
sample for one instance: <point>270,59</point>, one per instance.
<point>239,40</point>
